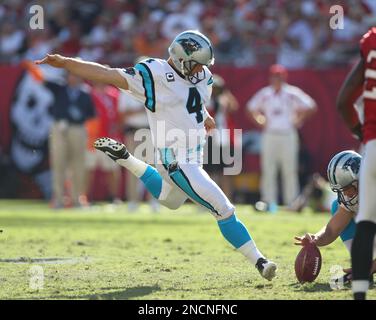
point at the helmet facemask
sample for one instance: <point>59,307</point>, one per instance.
<point>349,201</point>
<point>188,67</point>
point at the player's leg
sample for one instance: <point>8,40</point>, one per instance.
<point>362,247</point>
<point>196,183</point>
<point>167,194</point>
<point>77,140</point>
<point>347,236</point>
<point>58,158</point>
<point>268,169</point>
<point>91,159</point>
<point>289,167</point>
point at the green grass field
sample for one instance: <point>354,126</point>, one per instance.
<point>107,253</point>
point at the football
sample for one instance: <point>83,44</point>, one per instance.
<point>308,263</point>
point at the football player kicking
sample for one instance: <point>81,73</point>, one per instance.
<point>343,176</point>
<point>362,79</point>
<point>174,92</point>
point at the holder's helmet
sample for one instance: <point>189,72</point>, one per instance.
<point>343,172</point>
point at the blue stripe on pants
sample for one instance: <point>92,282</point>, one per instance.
<point>181,180</point>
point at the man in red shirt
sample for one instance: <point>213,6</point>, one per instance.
<point>362,79</point>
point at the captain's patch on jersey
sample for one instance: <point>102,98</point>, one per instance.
<point>170,77</point>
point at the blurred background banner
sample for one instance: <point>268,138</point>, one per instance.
<point>25,123</point>
<point>25,126</point>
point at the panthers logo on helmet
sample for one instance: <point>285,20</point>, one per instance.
<point>189,45</point>
<point>352,164</point>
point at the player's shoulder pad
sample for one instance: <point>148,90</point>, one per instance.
<point>370,34</point>
<point>153,66</point>
<point>368,41</point>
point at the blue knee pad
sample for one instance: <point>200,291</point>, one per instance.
<point>152,181</point>
<point>234,231</point>
<point>349,232</point>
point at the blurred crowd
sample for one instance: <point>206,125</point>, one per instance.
<point>294,33</point>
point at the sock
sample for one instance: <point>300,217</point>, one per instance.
<point>361,255</point>
<point>359,288</point>
<point>237,234</point>
<point>134,165</point>
<point>152,181</point>
<point>250,251</point>
<point>147,174</point>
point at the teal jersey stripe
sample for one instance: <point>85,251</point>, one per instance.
<point>210,81</point>
<point>334,208</point>
<point>349,232</point>
<point>181,180</point>
<point>148,84</point>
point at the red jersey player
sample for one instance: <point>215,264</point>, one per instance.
<point>362,79</point>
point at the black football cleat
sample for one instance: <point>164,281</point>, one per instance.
<point>344,280</point>
<point>115,150</point>
<point>266,268</point>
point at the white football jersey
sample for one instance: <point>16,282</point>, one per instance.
<point>175,107</point>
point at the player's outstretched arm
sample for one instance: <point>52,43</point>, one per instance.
<point>330,232</point>
<point>86,70</point>
<point>347,95</point>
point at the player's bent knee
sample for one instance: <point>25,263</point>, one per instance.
<point>173,202</point>
<point>172,206</point>
<point>225,213</point>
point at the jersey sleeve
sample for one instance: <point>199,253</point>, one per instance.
<point>142,81</point>
<point>134,80</point>
<point>127,102</point>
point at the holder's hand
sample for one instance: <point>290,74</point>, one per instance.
<point>306,239</point>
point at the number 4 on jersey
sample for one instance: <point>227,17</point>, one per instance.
<point>194,104</point>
